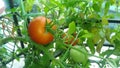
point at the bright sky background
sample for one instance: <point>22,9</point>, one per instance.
<point>1,4</point>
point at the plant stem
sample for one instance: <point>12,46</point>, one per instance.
<point>75,38</point>
<point>65,55</point>
<point>62,66</point>
<point>22,7</point>
<point>17,55</point>
<point>8,39</point>
<point>11,4</point>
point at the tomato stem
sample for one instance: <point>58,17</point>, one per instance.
<point>8,39</point>
<point>75,38</point>
<point>22,7</point>
<point>65,55</point>
<point>59,62</point>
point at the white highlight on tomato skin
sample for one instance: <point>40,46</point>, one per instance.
<point>2,6</point>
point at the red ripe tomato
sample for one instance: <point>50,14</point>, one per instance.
<point>37,30</point>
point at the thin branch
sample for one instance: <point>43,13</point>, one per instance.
<point>8,39</point>
<point>11,3</point>
<point>6,62</point>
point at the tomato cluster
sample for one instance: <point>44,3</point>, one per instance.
<point>39,34</point>
<point>37,30</point>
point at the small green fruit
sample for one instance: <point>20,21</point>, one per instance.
<point>79,54</point>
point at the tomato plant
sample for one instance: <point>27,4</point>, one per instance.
<point>37,30</point>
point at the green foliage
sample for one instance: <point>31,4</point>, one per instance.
<point>104,21</point>
<point>72,28</point>
<point>106,8</point>
<point>91,45</point>
<point>99,45</point>
<point>96,7</point>
<point>28,5</point>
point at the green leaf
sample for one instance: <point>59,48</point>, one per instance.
<point>96,7</point>
<point>70,3</point>
<point>112,63</point>
<point>104,21</point>
<point>91,45</point>
<point>117,43</point>
<point>3,50</point>
<point>107,34</point>
<point>54,64</point>
<point>106,8</point>
<point>88,35</point>
<point>46,9</point>
<point>106,52</point>
<point>118,35</point>
<point>117,51</point>
<point>60,44</point>
<point>117,61</point>
<point>99,46</point>
<point>72,28</point>
<point>45,61</point>
<point>29,5</point>
<point>117,47</point>
<point>96,37</point>
<point>112,2</point>
<point>93,16</point>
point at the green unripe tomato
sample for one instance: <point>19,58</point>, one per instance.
<point>79,55</point>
